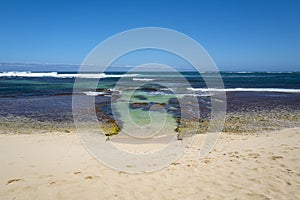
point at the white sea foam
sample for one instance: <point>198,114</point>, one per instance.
<point>269,72</point>
<point>91,93</point>
<point>57,75</point>
<point>27,74</point>
<point>283,90</point>
<point>209,92</point>
<point>143,79</point>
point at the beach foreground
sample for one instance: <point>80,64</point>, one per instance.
<point>56,166</point>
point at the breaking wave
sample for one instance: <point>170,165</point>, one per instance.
<point>282,90</point>
<point>57,75</point>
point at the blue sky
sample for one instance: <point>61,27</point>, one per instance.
<point>241,35</point>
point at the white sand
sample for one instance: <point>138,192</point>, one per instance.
<point>56,166</point>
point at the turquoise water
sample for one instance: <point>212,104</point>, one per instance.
<point>47,96</point>
<point>18,85</point>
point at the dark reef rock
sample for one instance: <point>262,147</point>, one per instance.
<point>138,105</point>
<point>140,97</point>
<point>146,106</point>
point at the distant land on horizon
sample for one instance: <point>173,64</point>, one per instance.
<point>47,67</point>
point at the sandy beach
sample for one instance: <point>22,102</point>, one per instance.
<point>56,166</point>
<point>158,100</point>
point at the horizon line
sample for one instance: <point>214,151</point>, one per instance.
<point>132,66</point>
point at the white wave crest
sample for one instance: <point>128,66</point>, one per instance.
<point>56,75</point>
<point>282,90</point>
<point>90,93</point>
<point>143,79</point>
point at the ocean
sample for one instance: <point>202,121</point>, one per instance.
<point>47,96</point>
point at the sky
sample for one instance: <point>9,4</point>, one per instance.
<point>240,35</point>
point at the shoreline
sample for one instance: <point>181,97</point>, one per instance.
<point>238,122</point>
